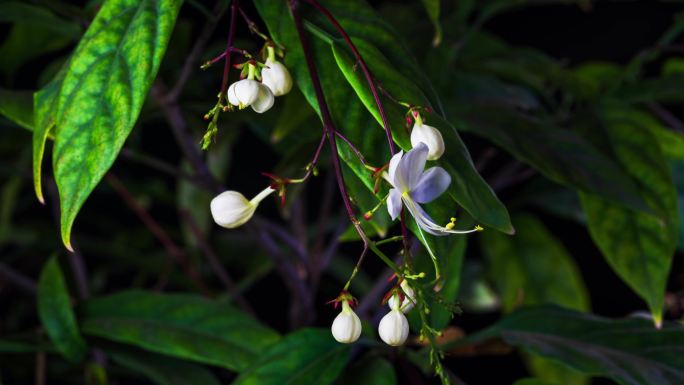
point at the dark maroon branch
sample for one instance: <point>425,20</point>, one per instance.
<point>376,97</point>
<point>229,45</point>
<point>328,124</point>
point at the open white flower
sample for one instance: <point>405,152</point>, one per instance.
<point>413,186</point>
<point>346,327</point>
<point>409,299</point>
<point>394,327</point>
<point>231,209</point>
<point>276,77</point>
<point>430,136</point>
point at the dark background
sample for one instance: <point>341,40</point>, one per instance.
<point>607,31</point>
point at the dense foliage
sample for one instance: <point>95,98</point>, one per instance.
<point>123,276</point>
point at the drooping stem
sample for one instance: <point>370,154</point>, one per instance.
<point>229,45</point>
<point>330,131</point>
<point>364,69</point>
<point>376,97</point>
<point>328,124</point>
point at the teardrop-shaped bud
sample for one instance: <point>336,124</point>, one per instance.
<point>243,92</point>
<point>276,77</point>
<point>431,137</point>
<point>409,298</point>
<point>231,209</point>
<point>346,328</point>
<point>264,100</point>
<point>394,328</point>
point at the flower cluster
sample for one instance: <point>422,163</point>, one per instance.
<point>260,95</point>
<point>393,328</point>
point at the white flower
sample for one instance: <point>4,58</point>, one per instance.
<point>249,92</point>
<point>243,92</point>
<point>346,327</point>
<point>394,327</point>
<point>264,100</point>
<point>431,137</point>
<point>409,298</point>
<point>231,209</point>
<point>412,186</point>
<point>276,77</point>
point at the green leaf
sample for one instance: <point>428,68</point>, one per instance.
<point>369,371</point>
<point>36,31</point>
<point>163,370</point>
<point>638,246</point>
<point>534,268</point>
<point>307,356</point>
<point>630,351</point>
<point>561,155</point>
<point>104,88</point>
<point>44,104</point>
<point>54,309</point>
<point>179,325</point>
<point>432,8</point>
<point>37,17</point>
<point>17,106</point>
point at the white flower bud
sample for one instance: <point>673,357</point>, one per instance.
<point>394,327</point>
<point>231,209</point>
<point>276,77</point>
<point>243,92</point>
<point>431,137</point>
<point>264,100</point>
<point>409,299</point>
<point>346,327</point>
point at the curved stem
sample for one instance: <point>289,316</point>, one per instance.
<point>364,69</point>
<point>330,132</point>
<point>376,97</point>
<point>229,45</point>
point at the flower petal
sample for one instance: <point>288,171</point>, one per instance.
<point>411,166</point>
<point>422,218</point>
<point>431,184</point>
<point>392,170</point>
<point>394,203</point>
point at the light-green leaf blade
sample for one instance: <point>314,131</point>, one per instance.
<point>103,91</point>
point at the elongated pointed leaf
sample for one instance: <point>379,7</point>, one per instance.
<point>638,246</point>
<point>44,104</point>
<point>104,88</point>
<point>54,309</point>
<point>183,326</point>
<point>630,351</point>
<point>534,268</point>
<point>308,356</point>
<point>163,370</point>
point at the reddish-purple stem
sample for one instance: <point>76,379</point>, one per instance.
<point>327,119</point>
<point>364,68</point>
<point>229,45</point>
<point>376,96</point>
